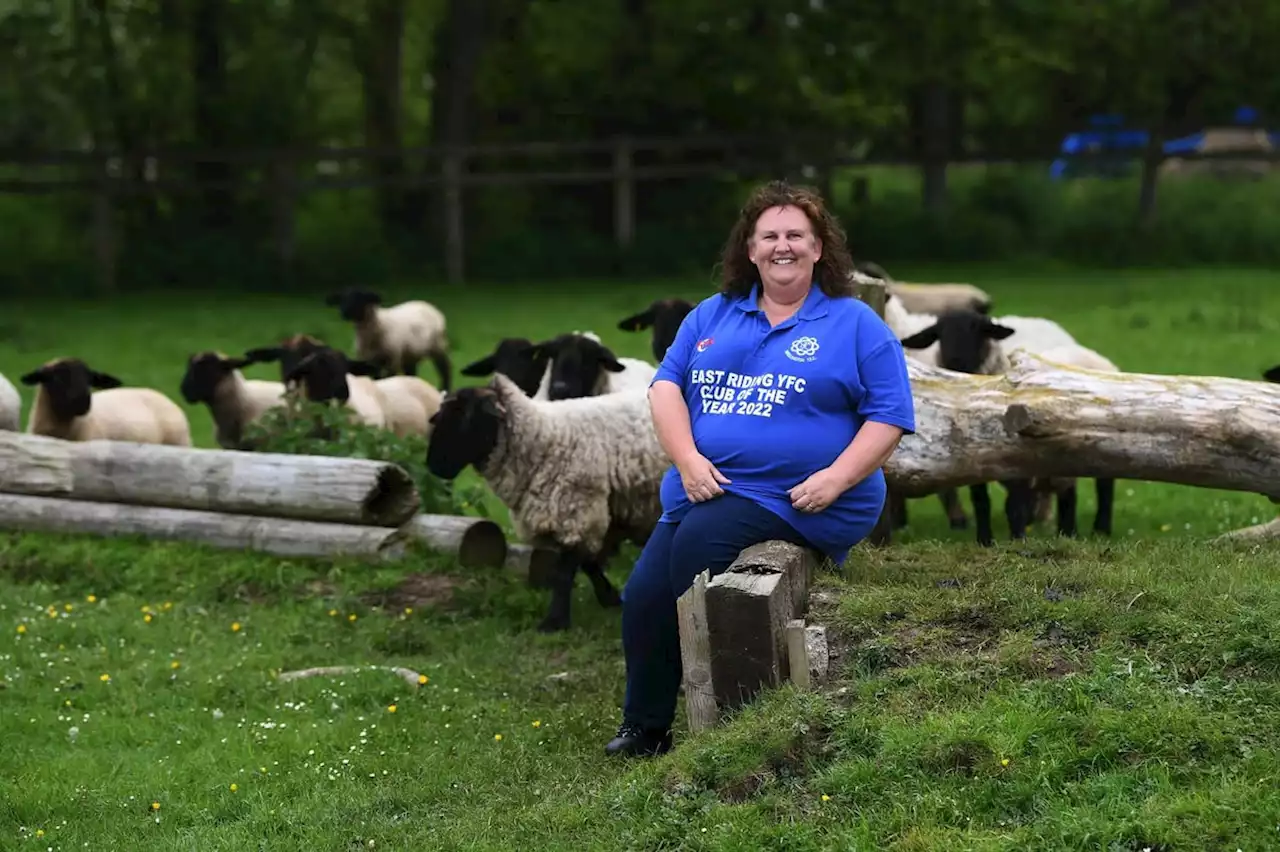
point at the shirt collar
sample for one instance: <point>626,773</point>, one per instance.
<point>816,304</point>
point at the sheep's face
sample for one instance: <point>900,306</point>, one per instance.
<point>289,353</point>
<point>576,364</point>
<point>323,376</point>
<point>964,339</point>
<point>664,317</point>
<point>464,431</point>
<point>354,305</point>
<point>1272,375</point>
<point>515,358</point>
<point>205,372</point>
<point>68,384</point>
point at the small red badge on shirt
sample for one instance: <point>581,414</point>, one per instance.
<point>704,343</point>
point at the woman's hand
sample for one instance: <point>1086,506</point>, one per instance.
<point>818,491</point>
<point>700,478</point>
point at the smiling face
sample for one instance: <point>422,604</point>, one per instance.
<point>784,249</point>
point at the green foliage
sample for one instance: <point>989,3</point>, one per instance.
<point>320,429</point>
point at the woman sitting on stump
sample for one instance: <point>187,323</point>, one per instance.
<point>778,403</point>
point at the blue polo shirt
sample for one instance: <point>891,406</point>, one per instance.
<point>771,406</point>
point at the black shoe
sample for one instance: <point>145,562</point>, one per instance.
<point>635,741</point>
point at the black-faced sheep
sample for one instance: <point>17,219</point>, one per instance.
<point>580,365</point>
<point>234,401</point>
<point>579,475</point>
<point>10,406</point>
<point>664,317</point>
<point>970,342</point>
<point>289,352</point>
<point>515,358</point>
<point>398,337</point>
<point>327,375</point>
<point>66,406</point>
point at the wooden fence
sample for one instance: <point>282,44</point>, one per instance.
<point>284,174</point>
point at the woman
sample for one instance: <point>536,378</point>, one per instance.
<point>778,403</point>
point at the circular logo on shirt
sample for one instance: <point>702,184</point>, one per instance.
<point>803,349</point>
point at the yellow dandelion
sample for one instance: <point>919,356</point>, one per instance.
<point>1004,761</point>
<point>422,679</point>
<point>168,604</point>
<point>68,607</point>
<point>22,628</point>
<point>408,610</point>
<point>825,797</point>
<point>104,677</point>
<point>146,608</point>
<point>147,618</point>
<point>175,665</point>
<point>53,613</point>
<point>234,788</point>
<point>333,612</point>
<point>67,702</point>
<point>391,708</point>
<point>537,723</point>
<point>497,738</point>
<point>92,598</point>
<point>351,617</point>
<point>262,769</point>
<point>155,806</point>
<point>39,832</point>
<point>235,627</point>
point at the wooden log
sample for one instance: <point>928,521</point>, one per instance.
<point>1258,532</point>
<point>536,564</point>
<point>817,651</point>
<point>475,542</point>
<point>797,653</point>
<point>700,705</point>
<point>279,536</point>
<point>1046,419</point>
<point>313,488</point>
<point>748,608</point>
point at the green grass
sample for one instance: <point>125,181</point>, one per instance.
<point>1131,685</point>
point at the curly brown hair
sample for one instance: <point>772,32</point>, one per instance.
<point>832,272</point>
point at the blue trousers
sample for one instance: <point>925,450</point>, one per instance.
<point>709,537</point>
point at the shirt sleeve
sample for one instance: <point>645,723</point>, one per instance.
<point>882,368</point>
<point>675,364</point>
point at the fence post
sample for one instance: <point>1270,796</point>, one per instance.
<point>454,237</point>
<point>624,194</point>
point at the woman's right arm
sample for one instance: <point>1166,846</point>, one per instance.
<point>670,415</point>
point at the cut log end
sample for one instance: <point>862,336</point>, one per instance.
<point>393,497</point>
<point>476,542</point>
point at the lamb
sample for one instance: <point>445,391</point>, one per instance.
<point>580,475</point>
<point>582,366</point>
<point>326,375</point>
<point>398,337</point>
<point>289,353</point>
<point>10,406</point>
<point>515,358</point>
<point>664,316</point>
<point>66,407</point>
<point>970,342</point>
<point>234,401</point>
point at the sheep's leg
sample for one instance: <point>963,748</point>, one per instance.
<point>982,513</point>
<point>950,498</point>
<point>897,508</point>
<point>606,593</point>
<point>1018,505</point>
<point>1067,510</point>
<point>1106,489</point>
<point>443,367</point>
<point>566,572</point>
<point>409,367</point>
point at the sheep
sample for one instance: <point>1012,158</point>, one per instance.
<point>970,342</point>
<point>1272,375</point>
<point>582,366</point>
<point>66,407</point>
<point>396,338</point>
<point>409,403</point>
<point>664,316</point>
<point>580,475</point>
<point>515,358</point>
<point>10,406</point>
<point>234,401</point>
<point>326,375</point>
<point>289,353</point>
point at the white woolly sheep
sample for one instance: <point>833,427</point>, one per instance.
<point>10,406</point>
<point>580,475</point>
<point>396,338</point>
<point>969,342</point>
<point>664,317</point>
<point>326,375</point>
<point>409,403</point>
<point>234,401</point>
<point>67,407</point>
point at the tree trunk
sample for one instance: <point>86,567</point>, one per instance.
<point>1042,419</point>
<point>314,488</point>
<point>931,125</point>
<point>279,536</point>
<point>379,52</point>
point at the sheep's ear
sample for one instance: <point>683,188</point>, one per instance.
<point>638,322</point>
<point>996,331</point>
<point>103,381</point>
<point>361,368</point>
<point>610,361</point>
<point>264,354</point>
<point>35,377</point>
<point>1272,375</point>
<point>922,339</point>
<point>483,367</point>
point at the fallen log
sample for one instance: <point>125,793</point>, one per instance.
<point>279,536</point>
<point>1258,532</point>
<point>1047,419</point>
<point>475,542</point>
<point>409,676</point>
<point>313,488</point>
